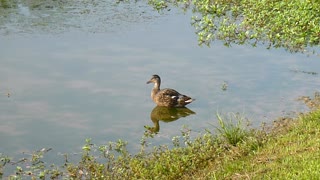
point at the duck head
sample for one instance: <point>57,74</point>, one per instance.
<point>155,79</point>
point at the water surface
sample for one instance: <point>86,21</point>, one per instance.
<point>89,81</point>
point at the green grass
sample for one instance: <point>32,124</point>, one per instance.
<point>290,150</point>
<point>231,128</point>
<point>292,153</point>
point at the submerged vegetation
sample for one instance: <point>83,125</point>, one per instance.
<point>5,4</point>
<point>294,25</point>
<point>288,150</point>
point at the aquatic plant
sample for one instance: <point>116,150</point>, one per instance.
<point>6,4</point>
<point>293,25</point>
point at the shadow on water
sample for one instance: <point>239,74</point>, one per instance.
<point>166,114</point>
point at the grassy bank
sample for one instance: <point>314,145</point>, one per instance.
<point>288,150</point>
<point>291,151</point>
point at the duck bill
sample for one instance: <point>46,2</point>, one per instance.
<point>148,82</point>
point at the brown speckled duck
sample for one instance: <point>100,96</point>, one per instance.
<point>167,97</point>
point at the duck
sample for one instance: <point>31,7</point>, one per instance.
<point>167,97</point>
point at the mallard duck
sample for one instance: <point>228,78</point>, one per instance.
<point>167,97</point>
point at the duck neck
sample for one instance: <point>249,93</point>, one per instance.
<point>155,90</point>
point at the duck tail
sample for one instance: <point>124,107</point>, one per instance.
<point>190,100</point>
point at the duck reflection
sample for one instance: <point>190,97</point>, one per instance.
<point>167,114</point>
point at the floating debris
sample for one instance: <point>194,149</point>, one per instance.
<point>224,86</point>
<point>305,72</point>
<point>311,102</point>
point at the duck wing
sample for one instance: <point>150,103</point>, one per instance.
<point>172,98</point>
<point>167,97</point>
<point>170,93</point>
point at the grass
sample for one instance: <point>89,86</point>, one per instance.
<point>232,129</point>
<point>291,153</point>
<point>290,150</point>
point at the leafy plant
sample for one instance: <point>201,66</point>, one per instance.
<point>294,25</point>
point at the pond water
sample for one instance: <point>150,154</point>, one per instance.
<point>72,80</point>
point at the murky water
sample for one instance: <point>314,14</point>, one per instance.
<point>87,79</point>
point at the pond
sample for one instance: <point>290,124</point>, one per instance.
<point>65,77</point>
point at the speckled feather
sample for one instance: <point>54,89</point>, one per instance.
<point>167,97</point>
